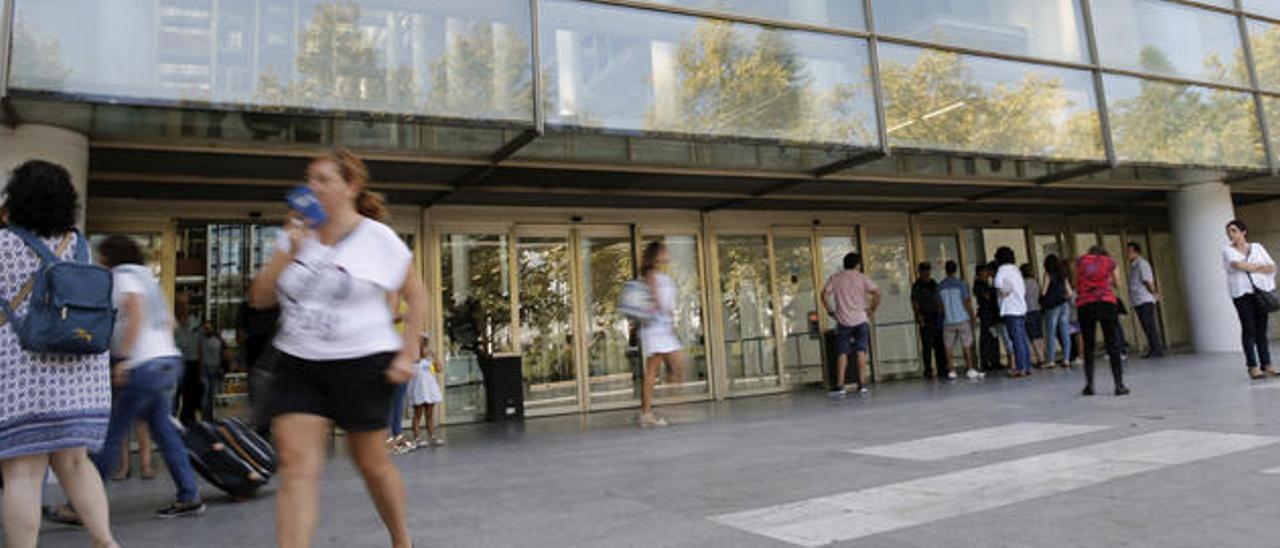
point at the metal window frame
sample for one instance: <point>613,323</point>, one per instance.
<point>1246,45</point>
<point>7,14</point>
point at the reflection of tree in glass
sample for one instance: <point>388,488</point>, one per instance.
<point>339,67</point>
<point>1265,41</point>
<point>485,74</point>
<point>1183,124</point>
<point>36,61</point>
<point>748,312</point>
<point>484,280</point>
<point>732,85</point>
<point>545,310</point>
<point>610,267</point>
<point>937,103</point>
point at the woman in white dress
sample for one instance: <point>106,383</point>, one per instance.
<point>658,336</point>
<point>424,394</point>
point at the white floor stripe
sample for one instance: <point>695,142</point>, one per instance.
<point>1275,471</point>
<point>858,514</point>
<point>976,441</point>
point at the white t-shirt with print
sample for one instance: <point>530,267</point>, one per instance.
<point>1009,280</point>
<point>155,338</point>
<point>333,299</point>
<point>1238,280</point>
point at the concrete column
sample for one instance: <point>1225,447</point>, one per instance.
<point>69,149</point>
<point>1199,213</point>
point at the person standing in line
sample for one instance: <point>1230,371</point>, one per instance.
<point>929,317</point>
<point>1055,301</point>
<point>189,397</point>
<point>1013,309</point>
<point>340,356</point>
<point>211,346</point>
<point>1096,304</point>
<point>658,336</point>
<point>1143,297</point>
<point>851,298</point>
<point>988,318</point>
<point>1250,270</point>
<point>56,428</point>
<point>957,329</point>
<point>1035,316</point>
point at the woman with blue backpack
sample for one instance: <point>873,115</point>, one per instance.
<point>60,426</point>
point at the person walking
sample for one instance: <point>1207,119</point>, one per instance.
<point>340,353</point>
<point>1035,316</point>
<point>1250,271</point>
<point>1055,301</point>
<point>927,306</point>
<point>1013,309</point>
<point>1096,304</point>
<point>851,298</point>
<point>957,329</point>
<point>54,428</point>
<point>1143,297</point>
<point>658,336</point>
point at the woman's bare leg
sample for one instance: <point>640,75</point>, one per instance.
<point>382,478</point>
<point>20,499</point>
<point>431,421</point>
<point>144,450</point>
<point>300,443</point>
<point>651,366</point>
<point>83,486</point>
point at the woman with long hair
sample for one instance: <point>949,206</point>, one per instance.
<point>658,336</point>
<point>43,428</point>
<point>1055,299</point>
<point>1097,304</point>
<point>1249,271</point>
<point>338,284</point>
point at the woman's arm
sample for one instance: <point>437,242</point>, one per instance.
<point>415,296</point>
<point>262,292</point>
<point>131,304</point>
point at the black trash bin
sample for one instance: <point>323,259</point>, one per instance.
<point>503,387</point>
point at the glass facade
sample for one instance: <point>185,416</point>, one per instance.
<point>643,83</point>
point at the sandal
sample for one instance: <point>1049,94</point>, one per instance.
<point>147,474</point>
<point>64,514</point>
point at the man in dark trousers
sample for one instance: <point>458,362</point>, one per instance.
<point>1143,297</point>
<point>927,304</point>
<point>988,318</point>
<point>187,336</point>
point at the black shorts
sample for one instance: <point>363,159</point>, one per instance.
<point>853,339</point>
<point>354,393</point>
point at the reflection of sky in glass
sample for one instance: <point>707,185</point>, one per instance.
<point>1165,38</point>
<point>1269,8</point>
<point>831,13</point>
<point>1042,28</point>
<point>625,69</point>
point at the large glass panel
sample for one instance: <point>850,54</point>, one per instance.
<point>436,57</point>
<point>473,268</point>
<point>940,248</point>
<point>626,69</point>
<point>802,353</point>
<point>1271,105</point>
<point>975,252</point>
<point>831,13</point>
<point>1171,39</point>
<point>1173,305</point>
<point>1180,124</point>
<point>612,362</point>
<point>685,270</point>
<point>1270,8</point>
<point>1264,40</point>
<point>1045,245</point>
<point>943,100</point>
<point>1046,28</point>
<point>546,322</point>
<point>896,349</point>
<point>834,248</point>
<point>748,312</point>
<point>1013,238</point>
<point>1083,241</point>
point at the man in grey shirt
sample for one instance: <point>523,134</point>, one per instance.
<point>1143,296</point>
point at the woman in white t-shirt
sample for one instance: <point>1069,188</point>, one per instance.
<point>341,355</point>
<point>1250,269</point>
<point>658,336</point>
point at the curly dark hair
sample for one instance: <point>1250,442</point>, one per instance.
<point>40,198</point>
<point>118,250</point>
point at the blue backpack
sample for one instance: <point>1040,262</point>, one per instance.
<point>70,310</point>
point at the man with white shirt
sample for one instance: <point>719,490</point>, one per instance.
<point>1143,297</point>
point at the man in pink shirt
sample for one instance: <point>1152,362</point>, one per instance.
<point>851,298</point>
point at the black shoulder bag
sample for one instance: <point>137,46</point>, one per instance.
<point>1268,300</point>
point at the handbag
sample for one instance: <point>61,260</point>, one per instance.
<point>1268,300</point>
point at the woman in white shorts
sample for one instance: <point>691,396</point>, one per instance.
<point>658,336</point>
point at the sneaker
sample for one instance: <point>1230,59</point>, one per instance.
<point>858,389</point>
<point>952,375</point>
<point>650,420</point>
<point>837,394</point>
<point>181,510</point>
<point>437,442</point>
<point>973,374</point>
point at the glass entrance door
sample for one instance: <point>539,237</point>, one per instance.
<point>544,293</point>
<point>606,261</point>
<point>793,254</point>
<point>685,270</point>
<point>747,308</point>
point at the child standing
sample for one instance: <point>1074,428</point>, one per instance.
<point>424,394</point>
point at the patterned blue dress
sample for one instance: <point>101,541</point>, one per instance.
<point>48,402</point>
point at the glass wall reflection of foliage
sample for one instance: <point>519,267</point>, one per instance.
<point>748,310</point>
<point>546,329</point>
<point>942,100</point>
<point>1181,124</point>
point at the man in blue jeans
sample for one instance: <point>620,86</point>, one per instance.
<point>851,298</point>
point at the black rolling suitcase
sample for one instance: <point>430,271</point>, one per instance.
<point>230,455</point>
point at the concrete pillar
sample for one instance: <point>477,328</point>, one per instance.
<point>69,149</point>
<point>1199,213</point>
